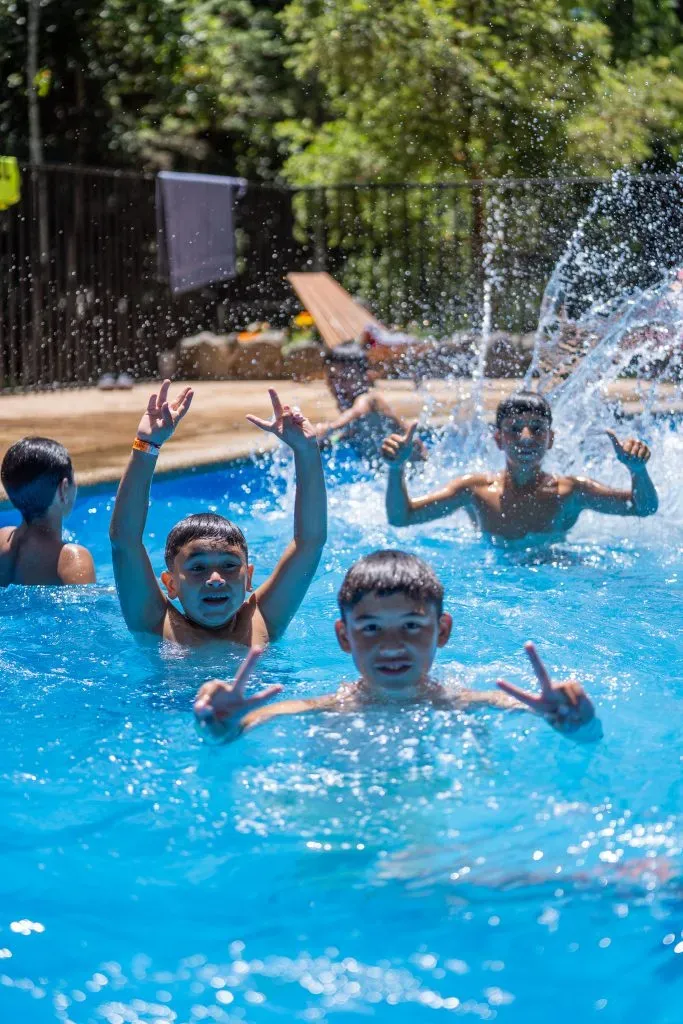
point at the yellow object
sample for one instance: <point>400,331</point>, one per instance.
<point>10,182</point>
<point>148,447</point>
<point>43,82</point>
<point>304,319</point>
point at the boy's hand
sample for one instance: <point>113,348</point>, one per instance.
<point>564,705</point>
<point>398,448</point>
<point>290,425</point>
<point>632,453</point>
<point>217,701</point>
<point>162,416</point>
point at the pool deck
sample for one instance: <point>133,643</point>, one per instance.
<point>98,426</point>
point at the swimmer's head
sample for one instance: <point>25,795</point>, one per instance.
<point>38,477</point>
<point>524,429</point>
<point>208,568</point>
<point>392,621</point>
<point>347,372</point>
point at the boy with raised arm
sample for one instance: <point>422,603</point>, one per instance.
<point>207,565</point>
<point>39,479</point>
<point>391,623</point>
<point>522,498</point>
<point>365,415</point>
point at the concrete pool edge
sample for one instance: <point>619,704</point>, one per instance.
<point>97,427</point>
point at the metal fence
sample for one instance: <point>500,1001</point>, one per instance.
<point>80,295</point>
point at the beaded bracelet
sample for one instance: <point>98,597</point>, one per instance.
<point>148,447</point>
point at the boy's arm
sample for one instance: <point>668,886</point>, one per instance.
<point>76,565</point>
<point>142,602</point>
<point>360,408</point>
<point>280,596</point>
<point>565,706</point>
<point>401,509</point>
<point>641,500</point>
<point>224,713</point>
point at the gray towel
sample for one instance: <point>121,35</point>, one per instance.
<point>195,228</point>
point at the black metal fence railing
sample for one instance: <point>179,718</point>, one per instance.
<point>80,294</point>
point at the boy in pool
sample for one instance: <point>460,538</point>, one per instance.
<point>391,623</point>
<point>521,499</point>
<point>365,415</point>
<point>207,566</point>
<point>39,479</point>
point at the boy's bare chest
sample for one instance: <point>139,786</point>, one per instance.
<point>514,513</point>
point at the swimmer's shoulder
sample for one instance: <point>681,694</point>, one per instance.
<point>570,488</point>
<point>477,484</point>
<point>8,553</point>
<point>75,565</point>
<point>8,539</point>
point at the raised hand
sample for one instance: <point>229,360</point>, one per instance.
<point>632,453</point>
<point>218,702</point>
<point>162,416</point>
<point>398,448</point>
<point>290,425</point>
<point>564,705</point>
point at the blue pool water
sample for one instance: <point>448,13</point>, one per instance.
<point>398,865</point>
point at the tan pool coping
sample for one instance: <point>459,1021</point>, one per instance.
<point>98,426</point>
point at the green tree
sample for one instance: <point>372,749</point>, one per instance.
<point>426,90</point>
<point>182,82</point>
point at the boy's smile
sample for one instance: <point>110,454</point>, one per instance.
<point>393,639</point>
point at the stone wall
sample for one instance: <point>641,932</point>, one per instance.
<point>208,356</point>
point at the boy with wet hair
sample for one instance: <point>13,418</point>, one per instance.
<point>39,479</point>
<point>207,564</point>
<point>521,499</point>
<point>365,415</point>
<point>391,623</point>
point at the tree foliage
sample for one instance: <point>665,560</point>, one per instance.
<point>351,90</point>
<point>426,90</point>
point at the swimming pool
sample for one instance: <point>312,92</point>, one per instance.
<point>400,865</point>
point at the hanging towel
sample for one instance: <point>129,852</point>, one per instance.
<point>195,228</point>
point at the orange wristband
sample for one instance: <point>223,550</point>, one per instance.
<point>148,447</point>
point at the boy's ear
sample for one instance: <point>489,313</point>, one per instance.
<point>498,438</point>
<point>169,582</point>
<point>445,627</point>
<point>342,635</point>
<point>551,439</point>
<point>250,573</point>
<point>63,488</point>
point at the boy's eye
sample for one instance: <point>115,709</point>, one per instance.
<point>197,568</point>
<point>413,627</point>
<point>371,627</point>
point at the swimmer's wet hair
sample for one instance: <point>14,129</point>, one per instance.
<point>523,401</point>
<point>349,353</point>
<point>203,526</point>
<point>32,470</point>
<point>390,572</point>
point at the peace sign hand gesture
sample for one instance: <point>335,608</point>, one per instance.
<point>631,453</point>
<point>219,706</point>
<point>565,706</point>
<point>162,416</point>
<point>289,424</point>
<point>398,448</point>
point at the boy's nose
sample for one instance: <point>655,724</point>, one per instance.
<point>392,645</point>
<point>215,579</point>
<point>526,434</point>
